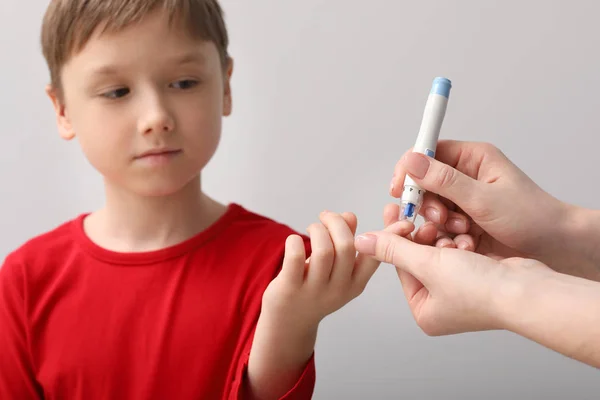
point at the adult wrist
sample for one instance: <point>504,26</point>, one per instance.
<point>517,290</point>
<point>580,252</point>
<point>504,297</point>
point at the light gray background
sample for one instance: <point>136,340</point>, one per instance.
<point>328,95</point>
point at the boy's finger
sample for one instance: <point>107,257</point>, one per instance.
<point>294,260</point>
<point>351,220</point>
<point>322,255</point>
<point>343,245</point>
<point>391,213</point>
<point>401,228</point>
<point>364,269</point>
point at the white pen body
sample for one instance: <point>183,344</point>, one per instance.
<point>429,133</point>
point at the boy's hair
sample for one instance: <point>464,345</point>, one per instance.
<point>69,24</point>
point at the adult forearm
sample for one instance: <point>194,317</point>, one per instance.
<point>559,311</point>
<point>579,253</point>
<point>278,357</point>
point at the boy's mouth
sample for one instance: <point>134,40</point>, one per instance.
<point>159,152</point>
<point>158,156</point>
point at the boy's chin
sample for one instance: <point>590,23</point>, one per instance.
<point>162,188</point>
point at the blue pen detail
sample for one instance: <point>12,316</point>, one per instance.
<point>429,153</point>
<point>441,86</point>
<point>409,210</point>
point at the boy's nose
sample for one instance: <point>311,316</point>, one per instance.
<point>156,119</point>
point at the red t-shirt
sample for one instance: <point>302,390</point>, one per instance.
<point>81,322</point>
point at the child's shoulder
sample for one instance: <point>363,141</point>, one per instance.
<point>238,227</point>
<point>40,250</point>
<point>54,241</point>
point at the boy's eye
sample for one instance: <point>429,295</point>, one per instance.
<point>185,84</point>
<point>117,93</point>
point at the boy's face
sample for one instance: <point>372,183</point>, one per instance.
<point>148,88</point>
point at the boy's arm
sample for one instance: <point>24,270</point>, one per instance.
<point>282,354</point>
<point>281,364</point>
<point>17,379</point>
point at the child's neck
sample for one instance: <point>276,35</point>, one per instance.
<point>131,223</point>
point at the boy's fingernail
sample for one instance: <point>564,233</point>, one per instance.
<point>366,244</point>
<point>416,164</point>
<point>432,214</point>
<point>392,185</point>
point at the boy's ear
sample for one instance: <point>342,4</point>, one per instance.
<point>65,129</point>
<point>227,99</point>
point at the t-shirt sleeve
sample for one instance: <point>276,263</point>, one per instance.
<point>303,388</point>
<point>17,379</point>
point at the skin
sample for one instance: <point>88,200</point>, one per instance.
<point>502,212</point>
<point>151,87</point>
<point>130,92</point>
<point>304,293</point>
<point>498,280</point>
<point>453,291</point>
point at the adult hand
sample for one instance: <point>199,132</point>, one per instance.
<point>448,290</point>
<point>481,201</point>
<point>452,291</point>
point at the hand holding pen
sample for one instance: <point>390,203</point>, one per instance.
<point>516,261</point>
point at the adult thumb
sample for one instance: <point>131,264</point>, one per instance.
<point>406,255</point>
<point>440,178</point>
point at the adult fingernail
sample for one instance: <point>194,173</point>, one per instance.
<point>445,243</point>
<point>432,214</point>
<point>457,224</point>
<point>416,164</point>
<point>392,185</point>
<point>462,245</point>
<point>366,244</point>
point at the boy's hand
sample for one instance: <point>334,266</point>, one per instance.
<point>305,292</point>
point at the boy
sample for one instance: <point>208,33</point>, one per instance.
<point>163,293</point>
